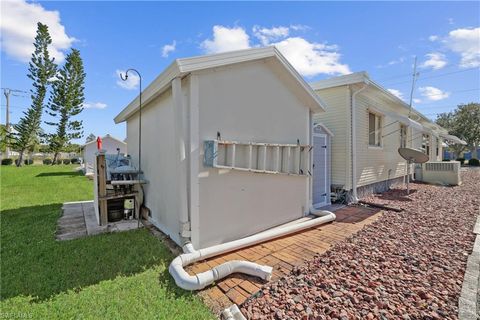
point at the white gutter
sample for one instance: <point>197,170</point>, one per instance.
<point>202,280</point>
<point>353,142</point>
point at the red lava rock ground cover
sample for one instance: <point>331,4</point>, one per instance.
<point>407,265</point>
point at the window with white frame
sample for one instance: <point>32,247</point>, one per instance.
<point>374,130</point>
<point>426,143</point>
<point>403,136</point>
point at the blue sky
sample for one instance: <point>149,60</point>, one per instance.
<point>321,39</point>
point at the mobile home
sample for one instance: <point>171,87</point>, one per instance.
<point>369,124</point>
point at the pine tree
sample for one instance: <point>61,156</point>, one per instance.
<point>66,102</point>
<point>41,69</point>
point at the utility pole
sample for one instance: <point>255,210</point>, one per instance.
<point>414,80</point>
<point>7,92</point>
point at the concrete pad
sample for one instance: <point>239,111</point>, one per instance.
<point>79,220</point>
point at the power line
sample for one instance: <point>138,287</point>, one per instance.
<point>456,91</point>
<point>405,75</point>
<point>435,76</point>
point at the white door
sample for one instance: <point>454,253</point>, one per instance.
<point>319,170</point>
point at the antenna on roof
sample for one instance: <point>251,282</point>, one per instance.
<point>414,80</point>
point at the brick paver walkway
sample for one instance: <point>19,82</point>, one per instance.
<point>283,254</point>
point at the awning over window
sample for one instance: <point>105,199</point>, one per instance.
<point>398,117</point>
<point>453,139</point>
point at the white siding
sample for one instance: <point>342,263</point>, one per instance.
<point>248,102</point>
<point>158,161</point>
<point>337,119</point>
<point>376,164</point>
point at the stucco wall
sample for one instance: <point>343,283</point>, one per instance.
<point>158,161</point>
<point>247,102</point>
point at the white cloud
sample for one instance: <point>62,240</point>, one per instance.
<point>433,38</point>
<point>94,105</point>
<point>417,100</point>
<point>132,81</point>
<point>299,27</point>
<point>435,60</point>
<point>168,48</point>
<point>433,94</point>
<point>397,61</point>
<point>266,35</point>
<point>392,62</point>
<point>18,27</point>
<point>226,39</point>
<point>396,93</point>
<point>310,58</point>
<point>465,42</point>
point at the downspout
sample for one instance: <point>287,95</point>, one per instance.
<point>202,280</point>
<point>353,141</point>
<point>181,161</point>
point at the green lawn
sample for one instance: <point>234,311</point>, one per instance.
<point>119,276</point>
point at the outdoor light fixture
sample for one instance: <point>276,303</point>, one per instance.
<point>139,116</point>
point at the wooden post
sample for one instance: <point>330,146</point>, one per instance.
<point>102,188</point>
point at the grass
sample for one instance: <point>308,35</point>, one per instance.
<point>120,275</point>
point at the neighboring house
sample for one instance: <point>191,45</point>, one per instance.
<point>109,143</point>
<point>369,125</point>
<point>225,146</point>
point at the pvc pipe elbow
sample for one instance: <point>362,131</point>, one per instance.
<point>188,248</point>
<point>204,279</point>
<point>322,213</point>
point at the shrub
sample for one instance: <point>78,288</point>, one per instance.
<point>75,161</point>
<point>47,161</point>
<point>59,161</point>
<point>16,162</point>
<point>28,161</point>
<point>460,159</point>
<point>446,160</point>
<point>7,162</point>
<point>474,162</point>
<point>66,161</point>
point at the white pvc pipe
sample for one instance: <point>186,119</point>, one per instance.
<point>353,143</point>
<point>201,280</point>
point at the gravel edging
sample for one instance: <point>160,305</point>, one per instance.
<point>407,265</point>
<point>469,301</point>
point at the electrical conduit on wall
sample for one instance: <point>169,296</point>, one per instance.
<point>202,280</point>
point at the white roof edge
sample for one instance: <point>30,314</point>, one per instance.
<point>183,66</point>
<point>319,124</point>
<point>363,77</point>
<point>105,136</point>
<point>162,81</point>
<point>451,137</point>
<point>322,105</point>
<point>356,77</point>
